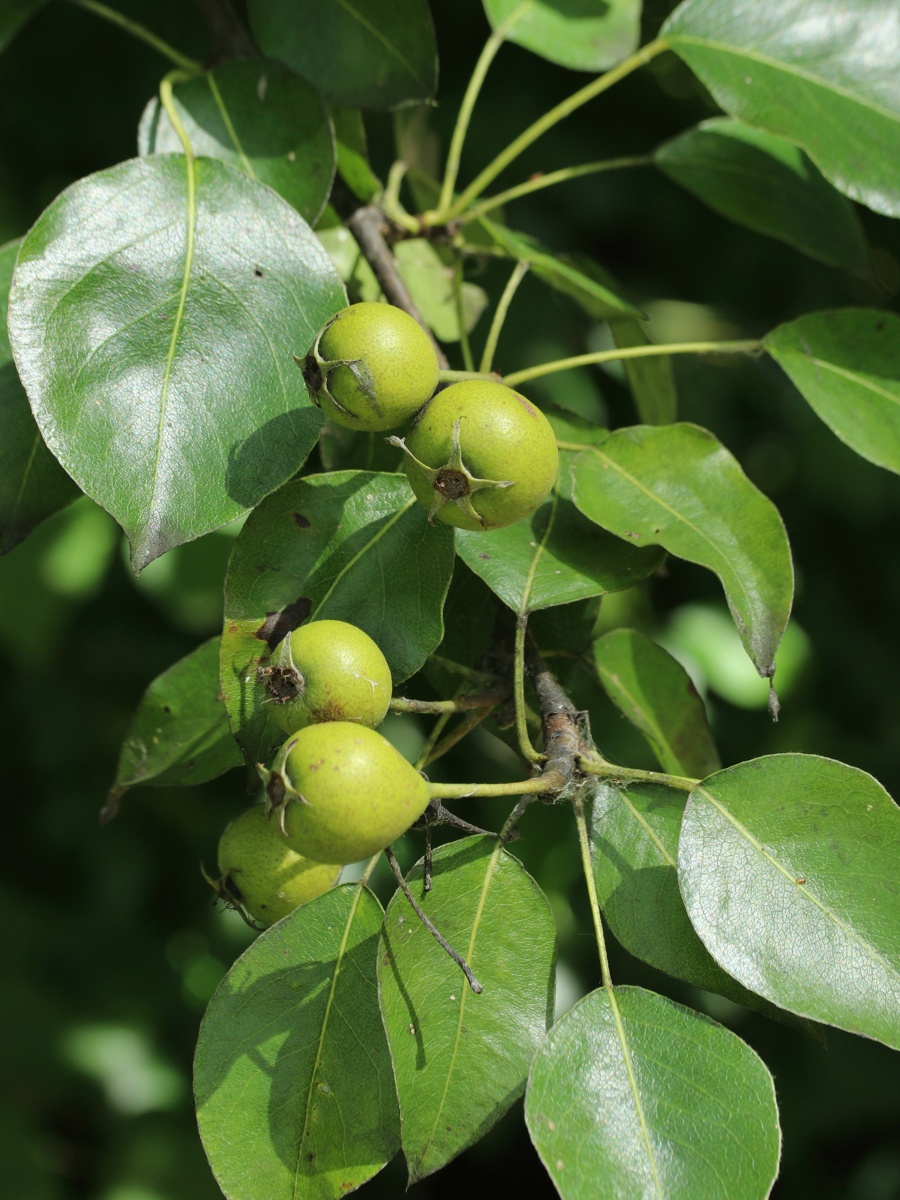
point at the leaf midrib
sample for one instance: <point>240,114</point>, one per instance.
<point>788,68</point>
<point>804,891</point>
<point>191,168</point>
<point>842,372</point>
<point>338,963</point>
<point>536,558</point>
<point>470,954</point>
<point>372,542</point>
<point>379,37</point>
<point>651,727</point>
<point>717,554</point>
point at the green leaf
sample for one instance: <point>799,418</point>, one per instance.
<point>179,734</point>
<point>469,615</point>
<point>634,1096</point>
<point>351,546</point>
<point>154,314</point>
<point>292,1076</point>
<point>788,868</point>
<point>461,1059</point>
<point>261,119</point>
<point>676,486</point>
<point>33,485</point>
<point>352,154</point>
<point>431,285</point>
<point>575,429</point>
<point>585,37</point>
<point>768,184</point>
<point>822,73</point>
<point>350,263</point>
<point>555,557</point>
<point>15,14</point>
<point>656,694</point>
<point>846,365</point>
<point>651,379</point>
<point>578,278</point>
<point>634,834</point>
<point>369,54</point>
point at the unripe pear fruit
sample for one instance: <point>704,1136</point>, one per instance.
<point>343,791</point>
<point>480,456</point>
<point>371,367</point>
<point>329,671</point>
<point>261,874</point>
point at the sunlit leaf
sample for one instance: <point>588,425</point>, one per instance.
<point>261,119</point>
<point>154,313</point>
<point>583,37</point>
<point>634,1096</point>
<point>822,73</point>
<point>654,692</point>
<point>369,54</point>
<point>634,835</point>
<point>768,184</point>
<point>556,556</point>
<point>461,1059</point>
<point>788,868</point>
<point>846,364</point>
<point>292,1042</point>
<point>351,546</point>
<point>33,485</point>
<point>676,486</point>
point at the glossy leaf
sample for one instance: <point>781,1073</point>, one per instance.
<point>656,694</point>
<point>352,546</point>
<point>768,184</point>
<point>369,54</point>
<point>846,364</point>
<point>556,556</point>
<point>33,485</point>
<point>651,379</point>
<point>583,37</point>
<point>180,733</point>
<point>676,486</point>
<point>15,14</point>
<point>589,287</point>
<point>154,314</point>
<point>788,868</point>
<point>634,1096</point>
<point>292,1042</point>
<point>634,835</point>
<point>822,73</point>
<point>461,1059</point>
<point>261,119</point>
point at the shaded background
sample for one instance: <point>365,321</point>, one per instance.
<point>112,944</point>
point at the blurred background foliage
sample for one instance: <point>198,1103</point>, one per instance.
<point>112,943</point>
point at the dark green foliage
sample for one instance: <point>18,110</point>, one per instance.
<point>719,400</point>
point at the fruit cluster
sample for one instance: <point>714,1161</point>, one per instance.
<point>337,791</point>
<point>478,456</point>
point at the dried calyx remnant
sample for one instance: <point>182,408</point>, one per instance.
<point>453,483</point>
